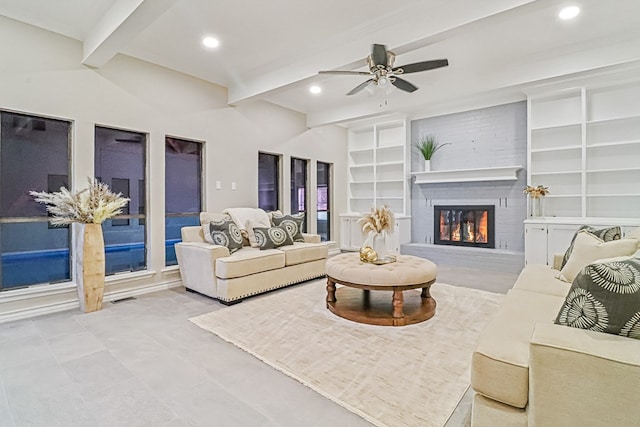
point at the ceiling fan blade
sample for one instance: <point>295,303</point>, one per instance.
<point>403,85</point>
<point>422,66</point>
<point>379,54</point>
<point>360,87</point>
<point>353,73</point>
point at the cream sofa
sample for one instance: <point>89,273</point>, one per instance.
<point>211,270</point>
<point>527,371</point>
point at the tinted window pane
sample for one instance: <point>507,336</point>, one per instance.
<point>268,181</point>
<point>299,187</point>
<point>34,155</point>
<point>120,160</point>
<point>323,199</point>
<point>183,189</point>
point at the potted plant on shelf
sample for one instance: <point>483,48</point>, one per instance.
<point>428,146</point>
<point>88,209</point>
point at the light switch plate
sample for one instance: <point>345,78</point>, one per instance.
<point>218,185</point>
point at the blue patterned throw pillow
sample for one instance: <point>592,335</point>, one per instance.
<point>605,297</point>
<point>272,237</point>
<point>226,233</point>
<point>293,224</point>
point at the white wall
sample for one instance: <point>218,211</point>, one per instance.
<point>41,74</point>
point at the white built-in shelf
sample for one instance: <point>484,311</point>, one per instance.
<point>567,147</point>
<point>613,143</point>
<point>363,165</point>
<point>557,196</point>
<point>613,119</point>
<point>361,182</point>
<point>393,163</point>
<point>614,195</point>
<point>558,126</point>
<point>556,173</point>
<point>612,170</point>
<point>504,173</point>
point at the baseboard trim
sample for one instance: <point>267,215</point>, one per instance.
<point>40,308</point>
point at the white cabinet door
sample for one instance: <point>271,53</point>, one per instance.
<point>535,244</point>
<point>351,237</point>
<point>559,238</point>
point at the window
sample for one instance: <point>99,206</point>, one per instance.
<point>183,190</point>
<point>268,181</point>
<point>34,155</point>
<point>120,159</point>
<point>299,188</point>
<point>323,183</point>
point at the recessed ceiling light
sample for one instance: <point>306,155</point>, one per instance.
<point>210,42</point>
<point>315,90</point>
<point>569,12</point>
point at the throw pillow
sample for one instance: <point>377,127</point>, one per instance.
<point>226,233</point>
<point>205,220</point>
<point>272,237</point>
<point>589,248</point>
<point>605,297</point>
<point>293,224</point>
<point>606,234</point>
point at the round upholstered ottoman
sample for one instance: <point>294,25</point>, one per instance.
<point>355,301</point>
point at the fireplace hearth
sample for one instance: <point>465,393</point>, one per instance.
<point>465,225</point>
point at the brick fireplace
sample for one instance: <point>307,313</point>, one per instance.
<point>464,225</point>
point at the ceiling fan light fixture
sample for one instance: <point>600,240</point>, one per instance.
<point>569,12</point>
<point>210,42</point>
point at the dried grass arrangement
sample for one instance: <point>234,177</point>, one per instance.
<point>536,192</point>
<point>378,220</point>
<point>92,205</point>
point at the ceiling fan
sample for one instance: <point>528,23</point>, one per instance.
<point>383,72</point>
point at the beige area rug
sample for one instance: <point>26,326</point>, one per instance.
<point>392,376</point>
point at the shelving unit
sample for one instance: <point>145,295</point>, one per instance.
<point>377,166</point>
<point>584,144</point>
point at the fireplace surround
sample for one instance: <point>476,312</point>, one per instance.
<point>464,225</point>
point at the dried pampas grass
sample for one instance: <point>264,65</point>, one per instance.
<point>93,205</point>
<point>380,219</point>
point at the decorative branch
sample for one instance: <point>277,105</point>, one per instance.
<point>92,205</point>
<point>378,220</point>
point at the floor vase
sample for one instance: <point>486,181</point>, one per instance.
<point>89,266</point>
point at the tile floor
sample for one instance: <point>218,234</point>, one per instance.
<point>142,363</point>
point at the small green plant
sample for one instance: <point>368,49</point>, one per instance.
<point>428,146</point>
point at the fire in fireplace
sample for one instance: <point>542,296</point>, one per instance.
<point>471,225</point>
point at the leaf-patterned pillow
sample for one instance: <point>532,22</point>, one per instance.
<point>605,297</point>
<point>293,223</point>
<point>606,234</point>
<point>226,233</point>
<point>272,237</point>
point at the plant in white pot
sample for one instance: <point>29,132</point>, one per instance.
<point>88,209</point>
<point>427,147</point>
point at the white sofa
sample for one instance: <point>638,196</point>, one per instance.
<point>528,371</point>
<point>211,270</point>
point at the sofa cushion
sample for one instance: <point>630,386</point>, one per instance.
<point>605,297</point>
<point>542,279</point>
<point>500,362</point>
<point>589,248</point>
<point>293,224</point>
<point>606,234</point>
<point>205,219</point>
<point>304,252</point>
<point>225,233</point>
<point>272,237</point>
<point>248,261</point>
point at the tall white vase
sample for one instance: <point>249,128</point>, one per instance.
<point>427,165</point>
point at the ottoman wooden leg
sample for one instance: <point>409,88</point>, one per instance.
<point>425,293</point>
<point>398,301</point>
<point>331,290</point>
